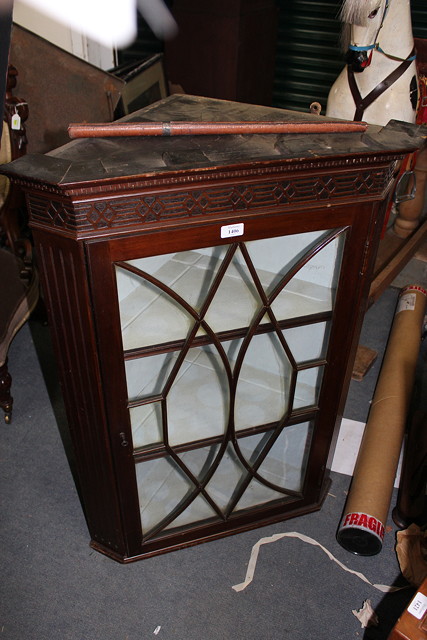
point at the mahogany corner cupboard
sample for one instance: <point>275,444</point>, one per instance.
<point>205,295</point>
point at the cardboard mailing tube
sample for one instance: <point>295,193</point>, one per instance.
<point>362,528</point>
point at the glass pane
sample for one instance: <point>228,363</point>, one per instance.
<point>251,446</point>
<point>163,486</point>
<point>148,315</point>
<point>257,494</point>
<point>147,376</point>
<point>199,510</point>
<point>308,342</point>
<point>308,387</point>
<point>236,300</point>
<point>198,403</point>
<point>323,268</point>
<point>300,298</point>
<point>199,461</point>
<point>189,273</point>
<point>274,257</point>
<point>231,475</point>
<point>262,392</point>
<point>199,400</point>
<point>312,289</point>
<point>225,482</point>
<point>286,462</point>
<point>146,424</point>
<point>161,489</point>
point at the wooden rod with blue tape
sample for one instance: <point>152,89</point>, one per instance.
<point>119,129</point>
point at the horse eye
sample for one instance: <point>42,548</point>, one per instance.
<point>373,13</point>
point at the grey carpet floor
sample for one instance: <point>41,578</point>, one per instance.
<point>54,586</point>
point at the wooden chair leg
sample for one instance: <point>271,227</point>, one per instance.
<point>6,400</point>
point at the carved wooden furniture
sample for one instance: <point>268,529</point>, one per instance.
<point>205,295</point>
<point>19,293</point>
<point>409,232</point>
<point>19,289</point>
<point>412,624</point>
<point>13,145</point>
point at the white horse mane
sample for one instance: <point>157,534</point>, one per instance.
<point>357,11</point>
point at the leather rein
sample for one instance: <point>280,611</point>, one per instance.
<point>363,103</point>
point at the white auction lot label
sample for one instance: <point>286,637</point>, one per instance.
<point>231,230</point>
<point>418,606</point>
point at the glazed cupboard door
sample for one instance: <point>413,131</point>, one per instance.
<point>214,354</point>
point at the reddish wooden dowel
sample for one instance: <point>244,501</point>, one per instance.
<point>101,130</point>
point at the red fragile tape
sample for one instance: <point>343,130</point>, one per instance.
<point>361,533</point>
<point>413,287</point>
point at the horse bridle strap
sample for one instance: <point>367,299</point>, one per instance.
<point>364,103</point>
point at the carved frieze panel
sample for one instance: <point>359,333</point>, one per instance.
<point>199,201</point>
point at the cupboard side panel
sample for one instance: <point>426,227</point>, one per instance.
<point>362,242</point>
<point>113,380</point>
<point>64,283</point>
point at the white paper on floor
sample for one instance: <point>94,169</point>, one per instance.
<point>366,615</point>
<point>347,448</point>
<point>294,534</point>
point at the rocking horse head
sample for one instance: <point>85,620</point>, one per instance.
<point>363,21</point>
<point>378,40</point>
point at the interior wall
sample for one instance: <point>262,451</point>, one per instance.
<point>62,36</point>
<point>43,26</point>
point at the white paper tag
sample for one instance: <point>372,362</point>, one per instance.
<point>231,230</point>
<point>418,606</point>
<point>16,121</point>
<point>406,302</point>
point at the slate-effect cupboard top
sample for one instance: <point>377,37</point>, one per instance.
<point>107,186</point>
<point>108,159</point>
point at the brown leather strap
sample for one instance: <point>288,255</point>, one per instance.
<point>363,103</point>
